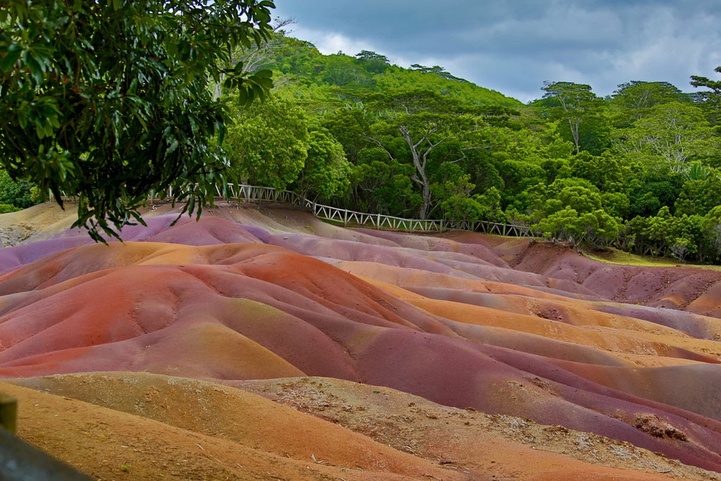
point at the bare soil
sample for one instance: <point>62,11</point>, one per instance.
<point>117,426</point>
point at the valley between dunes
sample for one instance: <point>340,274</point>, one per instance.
<point>261,343</point>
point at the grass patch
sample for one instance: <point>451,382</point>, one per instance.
<point>615,256</point>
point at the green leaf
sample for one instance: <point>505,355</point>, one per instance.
<point>172,147</point>
<point>191,203</point>
<point>11,56</point>
<point>37,70</point>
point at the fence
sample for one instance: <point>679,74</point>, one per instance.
<point>378,221</point>
<point>254,193</point>
<point>497,228</point>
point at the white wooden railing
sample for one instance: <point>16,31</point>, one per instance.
<point>378,221</point>
<point>511,230</point>
<point>252,193</point>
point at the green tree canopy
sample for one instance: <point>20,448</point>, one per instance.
<point>326,173</point>
<point>425,121</point>
<point>710,98</point>
<point>267,143</point>
<point>107,101</point>
<point>700,195</point>
<point>671,134</point>
<point>372,62</point>
<point>632,100</point>
<point>15,195</point>
<point>573,103</point>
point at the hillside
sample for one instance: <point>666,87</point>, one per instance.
<point>298,64</point>
<point>261,343</point>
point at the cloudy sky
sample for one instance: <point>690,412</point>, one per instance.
<point>513,46</point>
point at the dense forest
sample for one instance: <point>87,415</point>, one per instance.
<point>639,169</point>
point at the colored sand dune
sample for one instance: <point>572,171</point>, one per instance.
<point>504,327</point>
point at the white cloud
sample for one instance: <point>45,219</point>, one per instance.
<point>331,42</point>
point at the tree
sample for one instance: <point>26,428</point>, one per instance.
<point>250,60</point>
<point>372,62</point>
<point>268,143</point>
<point>678,236</point>
<point>700,195</point>
<point>520,175</point>
<point>711,98</point>
<point>574,211</point>
<point>652,189</point>
<point>433,79</point>
<point>16,195</point>
<point>580,198</point>
<point>426,121</point>
<point>454,196</point>
<point>344,71</point>
<point>108,101</point>
<point>437,70</point>
<point>634,99</point>
<point>382,185</point>
<point>326,173</point>
<point>574,103</point>
<point>711,225</point>
<point>607,172</point>
<point>673,133</point>
<point>597,227</point>
<point>349,125</point>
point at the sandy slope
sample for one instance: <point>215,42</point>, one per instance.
<point>155,427</point>
<point>619,359</point>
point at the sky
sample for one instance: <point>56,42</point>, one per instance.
<point>513,46</point>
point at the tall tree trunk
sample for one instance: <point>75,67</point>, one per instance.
<point>426,204</point>
<point>575,125</point>
<point>420,160</point>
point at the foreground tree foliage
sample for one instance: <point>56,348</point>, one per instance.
<point>108,101</point>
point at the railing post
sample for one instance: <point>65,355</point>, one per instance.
<point>8,413</point>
